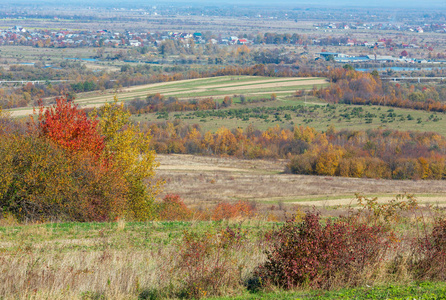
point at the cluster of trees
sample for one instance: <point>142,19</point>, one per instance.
<point>373,153</point>
<point>85,86</point>
<point>66,165</point>
<point>30,92</point>
<point>352,87</point>
<point>157,102</point>
<point>274,56</point>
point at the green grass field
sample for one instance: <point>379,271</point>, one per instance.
<point>289,111</point>
<point>120,260</point>
<point>413,290</point>
<point>217,87</point>
<point>286,111</point>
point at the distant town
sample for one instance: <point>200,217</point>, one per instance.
<point>66,38</point>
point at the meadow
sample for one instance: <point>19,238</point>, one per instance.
<point>217,87</point>
<point>191,260</point>
<point>289,111</point>
<point>99,260</point>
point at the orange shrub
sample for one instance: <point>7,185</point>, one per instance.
<point>240,209</point>
<point>174,209</point>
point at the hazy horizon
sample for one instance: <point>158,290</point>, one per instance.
<point>289,3</point>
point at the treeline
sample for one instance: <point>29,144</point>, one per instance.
<point>373,153</point>
<point>157,103</point>
<point>352,87</point>
<point>160,103</point>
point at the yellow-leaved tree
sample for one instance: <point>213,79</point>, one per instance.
<point>4,116</point>
<point>128,149</point>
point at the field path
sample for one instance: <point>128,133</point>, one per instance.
<point>152,85</point>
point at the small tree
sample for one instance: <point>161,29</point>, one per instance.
<point>128,149</point>
<point>273,97</point>
<point>227,101</point>
<point>116,146</point>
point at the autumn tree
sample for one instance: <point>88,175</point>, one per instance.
<point>100,169</point>
<point>224,142</point>
<point>128,149</point>
<point>227,101</point>
<point>68,126</point>
<point>40,180</point>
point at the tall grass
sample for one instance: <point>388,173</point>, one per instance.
<point>127,260</point>
<point>370,245</point>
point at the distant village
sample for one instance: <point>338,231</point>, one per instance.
<point>105,38</point>
<point>75,38</point>
<point>438,28</point>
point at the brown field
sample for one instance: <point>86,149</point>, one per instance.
<point>205,181</point>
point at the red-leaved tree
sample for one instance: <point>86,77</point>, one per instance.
<point>67,125</point>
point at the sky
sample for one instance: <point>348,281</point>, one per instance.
<point>425,4</point>
<point>334,3</point>
<point>373,3</point>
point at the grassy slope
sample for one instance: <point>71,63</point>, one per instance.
<point>317,116</point>
<point>215,86</point>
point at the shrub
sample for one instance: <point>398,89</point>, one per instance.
<point>323,256</point>
<point>41,181</point>
<point>71,167</point>
<point>240,209</point>
<point>173,209</point>
<point>429,254</point>
<point>206,264</point>
<point>386,214</point>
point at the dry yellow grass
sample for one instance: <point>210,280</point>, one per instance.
<point>209,180</point>
<point>117,262</point>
